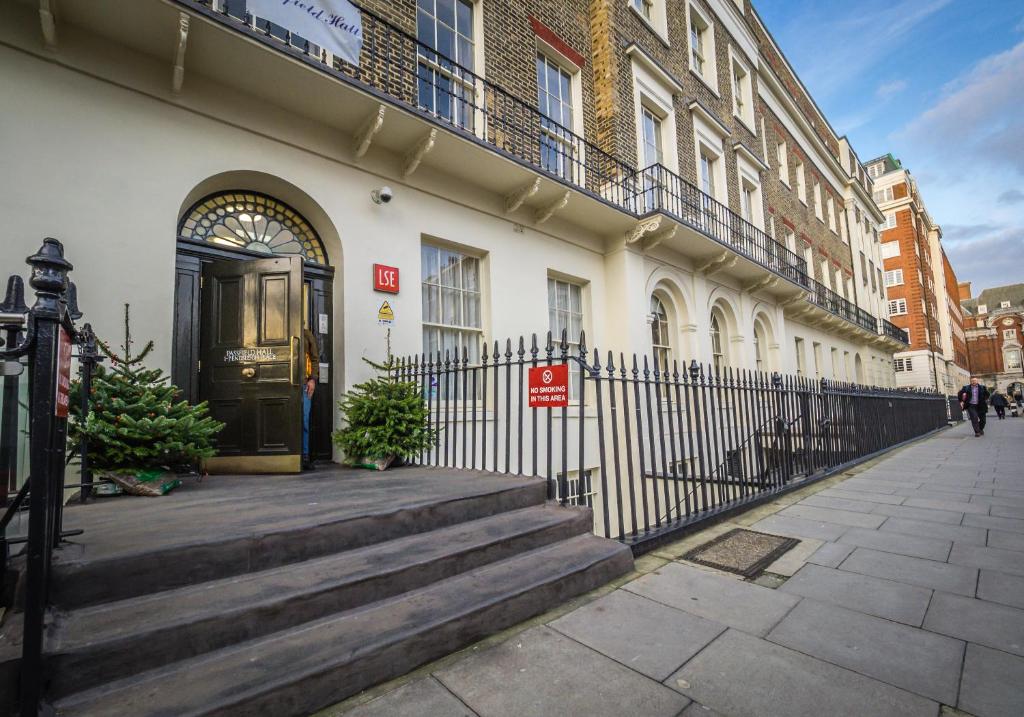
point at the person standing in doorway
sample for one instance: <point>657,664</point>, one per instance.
<point>1000,403</point>
<point>974,399</point>
<point>312,373</point>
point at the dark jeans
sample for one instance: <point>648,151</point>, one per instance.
<point>977,418</point>
<point>1000,411</point>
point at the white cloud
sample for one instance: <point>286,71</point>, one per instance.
<point>1011,196</point>
<point>889,89</point>
<point>978,117</point>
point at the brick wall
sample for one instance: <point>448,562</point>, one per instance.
<point>912,289</point>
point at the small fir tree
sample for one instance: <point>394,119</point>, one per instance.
<point>134,422</point>
<point>385,418</point>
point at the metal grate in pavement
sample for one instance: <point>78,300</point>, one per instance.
<point>741,551</point>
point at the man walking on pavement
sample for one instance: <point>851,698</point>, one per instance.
<point>974,399</point>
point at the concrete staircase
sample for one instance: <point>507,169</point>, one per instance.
<point>297,617</point>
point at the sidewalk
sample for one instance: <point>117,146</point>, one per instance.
<point>905,596</point>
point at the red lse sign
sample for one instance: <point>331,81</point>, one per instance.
<point>60,408</point>
<point>385,278</point>
<point>549,386</point>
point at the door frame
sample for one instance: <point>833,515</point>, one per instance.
<point>317,279</point>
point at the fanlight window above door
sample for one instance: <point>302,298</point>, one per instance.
<point>251,221</point>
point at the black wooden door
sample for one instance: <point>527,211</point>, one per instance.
<point>251,361</point>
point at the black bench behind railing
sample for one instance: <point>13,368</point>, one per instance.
<point>657,447</point>
<point>31,343</point>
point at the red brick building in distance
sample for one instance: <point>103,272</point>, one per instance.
<point>993,322</point>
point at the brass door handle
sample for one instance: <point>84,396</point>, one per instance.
<point>248,372</point>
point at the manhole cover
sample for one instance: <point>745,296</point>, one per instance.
<point>744,552</point>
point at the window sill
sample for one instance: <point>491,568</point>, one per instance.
<point>745,123</point>
<point>712,88</point>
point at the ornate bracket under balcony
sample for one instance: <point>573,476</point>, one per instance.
<point>48,23</point>
<point>650,232</point>
<point>722,262</point>
<point>768,282</point>
<point>515,199</point>
<point>178,71</point>
<point>370,127</point>
<point>546,212</point>
<point>417,153</point>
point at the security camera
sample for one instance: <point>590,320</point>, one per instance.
<point>382,195</point>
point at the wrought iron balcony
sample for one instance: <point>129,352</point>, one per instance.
<point>397,68</point>
<point>660,189</point>
<point>892,331</point>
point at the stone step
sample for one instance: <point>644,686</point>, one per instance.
<point>300,670</point>
<point>125,637</point>
<point>79,580</point>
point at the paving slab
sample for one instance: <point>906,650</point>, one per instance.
<point>915,660</point>
<point>824,501</point>
<point>716,597</point>
<point>540,673</point>
<point>945,494</point>
<point>862,496</point>
<point>1006,540</point>
<point>422,698</point>
<point>642,634</point>
<point>985,623</point>
<point>992,683</point>
<point>993,522</point>
<point>829,515</point>
<point>995,586</point>
<point>929,529</point>
<point>935,516</point>
<point>831,555</point>
<point>743,676</point>
<point>958,579</point>
<point>930,548</point>
<point>1007,511</point>
<point>998,500</point>
<point>1007,561</point>
<point>872,596</point>
<point>795,558</point>
<point>698,710</point>
<point>956,506</point>
<point>799,528</point>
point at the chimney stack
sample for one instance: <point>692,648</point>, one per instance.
<point>964,288</point>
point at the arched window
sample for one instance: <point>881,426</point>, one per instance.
<point>759,345</point>
<point>717,354</point>
<point>252,221</point>
<point>660,343</point>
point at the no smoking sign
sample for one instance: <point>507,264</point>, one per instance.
<point>548,386</point>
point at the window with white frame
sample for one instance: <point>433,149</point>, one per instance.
<point>645,8</point>
<point>565,313</point>
<point>660,341</point>
<point>982,308</point>
<point>782,157</point>
<point>830,205</point>
<point>750,190</point>
<point>817,201</point>
<point>903,364</point>
<point>801,183</point>
<point>742,93</point>
<point>702,47</point>
<point>816,351</point>
<point>445,30</point>
<point>717,341</point>
<point>876,170</point>
<point>791,240</point>
<point>890,249</point>
<point>1004,304</point>
<point>451,301</point>
<point>759,347</point>
<point>798,345</point>
<point>883,195</point>
<point>1009,334</point>
<point>708,170</point>
<point>871,271</point>
<point>1012,360</point>
<point>897,307</point>
<point>894,277</point>
<point>890,221</point>
<point>555,101</point>
<point>579,487</point>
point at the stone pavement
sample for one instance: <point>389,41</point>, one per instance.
<point>904,597</point>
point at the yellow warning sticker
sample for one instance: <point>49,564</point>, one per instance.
<point>385,314</point>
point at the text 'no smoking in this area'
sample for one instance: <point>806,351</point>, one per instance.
<point>549,386</point>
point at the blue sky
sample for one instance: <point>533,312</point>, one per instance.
<point>940,85</point>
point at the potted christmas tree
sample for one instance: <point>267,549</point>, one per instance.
<point>385,419</point>
<point>138,432</point>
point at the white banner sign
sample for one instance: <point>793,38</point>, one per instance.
<point>334,25</point>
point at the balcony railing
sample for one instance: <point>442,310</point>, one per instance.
<point>660,189</point>
<point>887,328</point>
<point>397,68</point>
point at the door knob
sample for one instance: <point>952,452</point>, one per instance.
<point>248,372</point>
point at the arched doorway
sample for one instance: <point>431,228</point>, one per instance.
<point>242,227</point>
<point>858,368</point>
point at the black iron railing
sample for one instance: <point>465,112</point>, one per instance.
<point>822,296</point>
<point>660,189</point>
<point>654,448</point>
<point>33,343</point>
<point>886,328</point>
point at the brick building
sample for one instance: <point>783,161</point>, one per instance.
<point>921,286</point>
<point>994,325</point>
